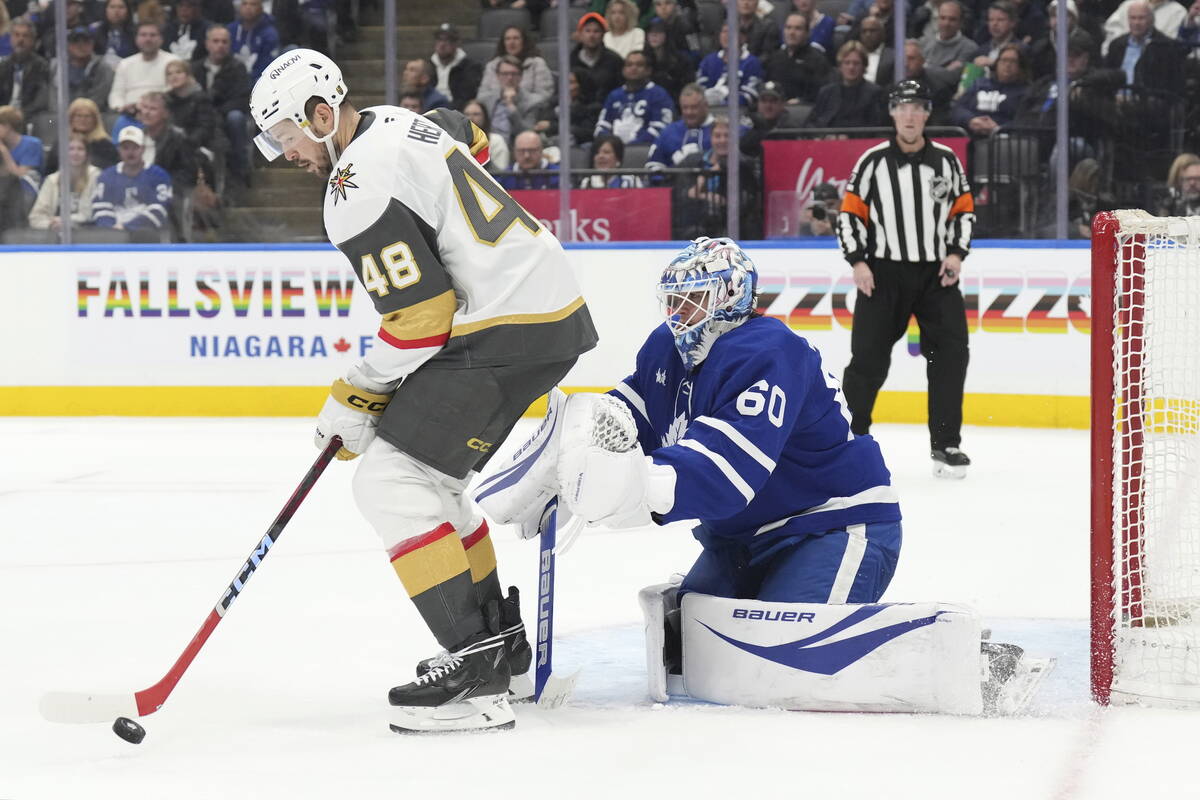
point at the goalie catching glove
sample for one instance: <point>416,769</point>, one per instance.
<point>585,451</point>
<point>352,411</point>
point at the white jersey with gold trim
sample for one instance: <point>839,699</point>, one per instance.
<point>456,267</point>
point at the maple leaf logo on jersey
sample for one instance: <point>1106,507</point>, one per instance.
<point>660,377</point>
<point>340,182</point>
<point>676,431</point>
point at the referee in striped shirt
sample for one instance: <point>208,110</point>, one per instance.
<point>905,226</point>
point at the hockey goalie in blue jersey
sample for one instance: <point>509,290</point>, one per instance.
<point>730,419</point>
<point>749,434</point>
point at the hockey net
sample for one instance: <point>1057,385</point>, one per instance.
<point>1146,459</point>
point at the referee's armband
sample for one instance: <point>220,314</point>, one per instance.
<point>964,204</point>
<point>854,204</point>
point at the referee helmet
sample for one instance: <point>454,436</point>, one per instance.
<point>909,92</point>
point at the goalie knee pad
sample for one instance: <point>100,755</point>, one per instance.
<point>908,657</point>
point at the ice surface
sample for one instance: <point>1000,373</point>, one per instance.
<point>117,536</point>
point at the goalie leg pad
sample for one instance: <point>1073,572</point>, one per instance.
<point>660,609</point>
<point>909,657</point>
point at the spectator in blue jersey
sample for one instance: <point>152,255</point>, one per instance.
<point>115,36</point>
<point>608,152</point>
<point>529,158</point>
<point>992,103</point>
<point>131,196</point>
<point>713,73</point>
<point>637,111</point>
<point>255,39</point>
<point>670,68</point>
<point>418,76</point>
<point>684,141</point>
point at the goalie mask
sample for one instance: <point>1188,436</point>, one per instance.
<point>707,289</point>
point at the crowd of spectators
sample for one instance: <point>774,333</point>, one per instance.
<point>648,89</point>
<point>157,107</point>
<point>822,68</point>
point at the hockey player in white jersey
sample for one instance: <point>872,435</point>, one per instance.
<point>732,420</point>
<point>480,315</point>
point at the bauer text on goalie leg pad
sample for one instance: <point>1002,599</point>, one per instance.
<point>906,657</point>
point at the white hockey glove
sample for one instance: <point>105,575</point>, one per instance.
<point>351,412</point>
<point>603,476</point>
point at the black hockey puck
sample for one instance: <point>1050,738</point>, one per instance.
<point>129,730</point>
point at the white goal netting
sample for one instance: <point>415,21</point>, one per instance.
<point>1156,460</point>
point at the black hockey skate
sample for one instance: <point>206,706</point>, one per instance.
<point>950,463</point>
<point>464,690</point>
<point>520,654</point>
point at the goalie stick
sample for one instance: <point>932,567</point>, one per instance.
<point>549,689</point>
<point>91,707</point>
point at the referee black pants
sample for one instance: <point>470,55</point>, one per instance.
<point>904,289</point>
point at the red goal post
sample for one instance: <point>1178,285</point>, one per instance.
<point>1145,509</point>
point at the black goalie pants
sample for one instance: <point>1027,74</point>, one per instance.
<point>902,290</point>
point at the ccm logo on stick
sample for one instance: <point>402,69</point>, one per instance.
<point>774,616</point>
<point>244,574</point>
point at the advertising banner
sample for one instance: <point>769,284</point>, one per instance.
<point>804,179</point>
<point>605,215</point>
<point>197,324</point>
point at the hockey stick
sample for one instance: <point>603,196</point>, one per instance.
<point>549,690</point>
<point>86,707</point>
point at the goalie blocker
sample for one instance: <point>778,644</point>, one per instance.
<point>883,657</point>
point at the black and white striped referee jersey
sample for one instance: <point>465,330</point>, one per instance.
<point>906,207</point>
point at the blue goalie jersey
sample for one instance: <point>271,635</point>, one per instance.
<point>758,436</point>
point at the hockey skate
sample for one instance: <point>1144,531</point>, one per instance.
<point>466,690</point>
<point>1010,678</point>
<point>950,463</point>
<point>520,654</point>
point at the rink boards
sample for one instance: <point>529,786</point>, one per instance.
<point>261,330</point>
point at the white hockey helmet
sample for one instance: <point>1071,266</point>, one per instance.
<point>281,93</point>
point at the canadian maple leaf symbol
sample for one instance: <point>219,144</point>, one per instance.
<point>341,345</point>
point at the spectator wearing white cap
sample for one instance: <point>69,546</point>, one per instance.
<point>129,195</point>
